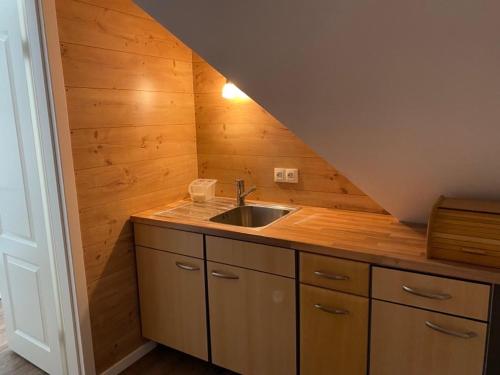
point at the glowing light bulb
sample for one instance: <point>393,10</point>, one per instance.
<point>230,91</point>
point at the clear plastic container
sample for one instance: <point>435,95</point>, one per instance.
<point>202,189</point>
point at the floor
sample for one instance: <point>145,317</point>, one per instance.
<point>10,362</point>
<point>160,361</point>
<point>165,361</point>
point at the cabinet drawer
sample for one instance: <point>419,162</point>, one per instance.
<point>255,256</point>
<point>411,341</point>
<point>333,332</point>
<point>334,273</point>
<point>435,293</point>
<point>175,241</point>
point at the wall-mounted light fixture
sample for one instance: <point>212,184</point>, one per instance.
<point>230,91</point>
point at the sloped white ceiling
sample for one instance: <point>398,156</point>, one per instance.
<point>402,96</point>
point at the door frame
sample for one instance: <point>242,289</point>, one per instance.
<point>57,160</point>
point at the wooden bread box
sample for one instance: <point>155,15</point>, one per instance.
<point>465,231</point>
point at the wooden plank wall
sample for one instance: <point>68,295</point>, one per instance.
<point>129,88</point>
<point>239,139</point>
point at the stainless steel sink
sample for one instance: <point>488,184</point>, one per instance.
<point>252,216</point>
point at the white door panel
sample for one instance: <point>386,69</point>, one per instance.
<point>25,303</point>
<point>27,283</point>
<point>11,178</point>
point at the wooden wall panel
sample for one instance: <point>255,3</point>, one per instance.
<point>102,68</point>
<point>130,97</point>
<point>239,139</point>
<point>91,108</point>
<point>106,28</point>
<point>127,144</point>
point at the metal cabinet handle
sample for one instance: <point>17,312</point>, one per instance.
<point>187,267</point>
<point>224,275</point>
<point>421,293</point>
<point>331,310</point>
<point>446,331</point>
<point>331,276</point>
<point>475,251</point>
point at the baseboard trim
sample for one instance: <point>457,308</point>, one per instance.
<point>130,359</point>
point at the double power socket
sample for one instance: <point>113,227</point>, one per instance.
<point>290,175</point>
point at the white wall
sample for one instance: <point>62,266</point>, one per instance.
<point>402,96</point>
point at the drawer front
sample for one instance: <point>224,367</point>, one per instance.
<point>255,256</point>
<point>333,332</point>
<point>410,341</point>
<point>430,292</point>
<point>333,273</point>
<point>175,241</point>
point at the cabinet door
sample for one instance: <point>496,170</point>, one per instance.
<point>411,341</point>
<point>252,321</point>
<point>334,332</point>
<point>172,298</point>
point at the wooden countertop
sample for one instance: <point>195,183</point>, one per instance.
<point>367,237</point>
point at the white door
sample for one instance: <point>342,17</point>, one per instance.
<point>27,284</point>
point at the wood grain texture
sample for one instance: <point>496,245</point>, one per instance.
<point>362,236</point>
<point>353,277</point>
<point>106,69</point>
<point>101,108</point>
<point>239,139</point>
<point>173,309</point>
<point>129,90</point>
<point>93,25</point>
<point>401,343</point>
<point>128,144</point>
<point>98,186</point>
<point>470,300</point>
<point>174,241</point>
<point>252,321</point>
<point>127,7</point>
<point>254,256</point>
<point>465,231</point>
<point>333,343</point>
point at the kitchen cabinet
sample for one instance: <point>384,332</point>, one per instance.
<point>172,300</point>
<point>411,341</point>
<point>334,332</point>
<point>235,303</point>
<point>252,320</point>
<point>421,324</point>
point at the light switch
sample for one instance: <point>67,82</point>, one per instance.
<point>292,175</point>
<point>279,175</point>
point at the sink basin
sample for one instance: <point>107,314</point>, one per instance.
<point>252,216</point>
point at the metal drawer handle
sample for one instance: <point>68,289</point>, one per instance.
<point>187,267</point>
<point>471,250</point>
<point>331,276</point>
<point>331,310</point>
<point>420,293</point>
<point>223,275</point>
<point>446,331</point>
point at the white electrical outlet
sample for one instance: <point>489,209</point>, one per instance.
<point>279,175</point>
<point>292,175</point>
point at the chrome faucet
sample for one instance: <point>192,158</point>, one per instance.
<point>241,193</point>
